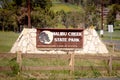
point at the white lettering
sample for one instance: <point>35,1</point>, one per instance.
<point>63,33</point>
<point>73,39</point>
<point>74,34</point>
<point>60,33</point>
<point>60,39</point>
<point>56,33</point>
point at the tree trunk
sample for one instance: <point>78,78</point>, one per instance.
<point>3,29</point>
<point>29,16</point>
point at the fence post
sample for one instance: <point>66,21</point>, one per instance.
<point>19,59</point>
<point>110,64</point>
<point>71,64</point>
<point>113,46</point>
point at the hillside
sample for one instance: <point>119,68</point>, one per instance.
<point>66,7</point>
<point>76,12</point>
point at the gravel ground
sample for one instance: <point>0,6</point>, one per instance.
<point>116,42</point>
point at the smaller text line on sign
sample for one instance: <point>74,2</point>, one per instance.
<point>59,38</point>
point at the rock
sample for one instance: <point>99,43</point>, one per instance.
<point>26,43</point>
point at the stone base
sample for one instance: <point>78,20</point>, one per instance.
<point>26,43</point>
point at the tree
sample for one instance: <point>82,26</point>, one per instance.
<point>42,16</point>
<point>111,17</point>
<point>91,13</point>
<point>44,4</point>
<point>13,6</point>
<point>3,18</point>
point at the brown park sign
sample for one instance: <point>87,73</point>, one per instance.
<point>59,38</point>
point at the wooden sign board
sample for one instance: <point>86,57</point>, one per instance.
<point>59,38</point>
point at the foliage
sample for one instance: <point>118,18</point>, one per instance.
<point>14,66</point>
<point>44,13</point>
<point>74,19</point>
<point>60,74</point>
<point>66,7</point>
<point>41,14</point>
<point>117,25</point>
<point>111,17</point>
<point>96,73</point>
<point>42,18</point>
<point>19,12</point>
<point>44,4</point>
<point>97,2</point>
<point>91,14</point>
<point>92,10</point>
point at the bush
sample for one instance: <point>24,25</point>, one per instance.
<point>14,66</point>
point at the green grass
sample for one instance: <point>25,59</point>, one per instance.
<point>115,35</point>
<point>66,7</point>
<point>7,39</point>
<point>107,35</point>
<point>44,62</point>
<point>64,74</point>
<point>4,62</point>
<point>86,62</point>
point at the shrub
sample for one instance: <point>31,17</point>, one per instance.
<point>14,66</point>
